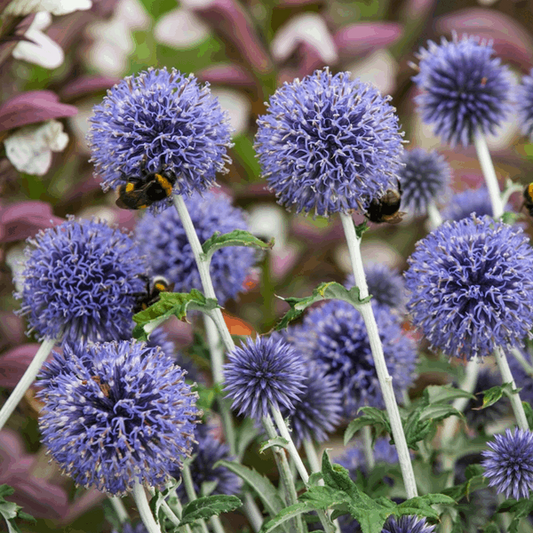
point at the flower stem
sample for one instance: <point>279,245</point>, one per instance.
<point>252,512</point>
<point>191,493</point>
<point>517,354</point>
<point>434,215</point>
<point>27,379</point>
<point>468,384</point>
<point>312,456</point>
<point>120,510</point>
<point>489,173</point>
<point>385,380</point>
<point>367,448</point>
<point>507,377</point>
<point>144,509</point>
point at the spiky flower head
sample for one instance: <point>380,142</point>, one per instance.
<point>354,459</point>
<point>509,463</point>
<point>328,143</point>
<point>160,119</point>
<point>524,103</point>
<point>80,281</point>
<point>464,89</point>
<point>206,452</point>
<point>335,337</point>
<point>318,411</point>
<point>471,285</point>
<point>263,373</point>
<point>385,284</point>
<point>116,413</point>
<point>463,204</point>
<point>164,241</point>
<point>407,524</point>
<point>424,179</point>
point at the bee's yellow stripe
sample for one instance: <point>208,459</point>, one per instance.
<point>167,186</point>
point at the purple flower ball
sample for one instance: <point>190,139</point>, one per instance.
<point>407,524</point>
<point>471,285</point>
<point>524,103</point>
<point>160,119</point>
<point>464,89</point>
<point>329,144</point>
<point>80,282</point>
<point>509,463</point>
<point>115,414</point>
<point>263,373</point>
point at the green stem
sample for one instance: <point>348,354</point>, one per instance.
<point>312,456</point>
<point>144,509</point>
<point>252,512</point>
<point>26,380</point>
<point>367,449</point>
<point>507,377</point>
<point>434,215</point>
<point>517,354</point>
<point>191,493</point>
<point>120,510</point>
<point>385,380</point>
<point>489,173</point>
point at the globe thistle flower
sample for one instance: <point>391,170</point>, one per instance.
<point>407,524</point>
<point>524,103</point>
<point>328,144</point>
<point>335,337</point>
<point>80,282</point>
<point>354,459</point>
<point>160,119</point>
<point>207,451</point>
<point>465,89</point>
<point>385,284</point>
<point>471,284</point>
<point>424,179</point>
<point>318,411</point>
<point>463,204</point>
<point>509,463</point>
<point>164,241</point>
<point>263,373</point>
<point>116,413</point>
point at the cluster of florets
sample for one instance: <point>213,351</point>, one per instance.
<point>81,281</point>
<point>471,283</point>
<point>117,413</point>
<point>163,239</point>
<point>334,336</point>
<point>329,144</point>
<point>465,91</point>
<point>465,203</point>
<point>158,120</point>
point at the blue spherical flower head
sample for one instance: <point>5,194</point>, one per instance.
<point>354,459</point>
<point>471,285</point>
<point>207,451</point>
<point>263,373</point>
<point>329,144</point>
<point>335,337</point>
<point>385,284</point>
<point>81,281</point>
<point>509,463</point>
<point>116,413</point>
<point>464,204</point>
<point>424,178</point>
<point>407,524</point>
<point>158,120</point>
<point>165,243</point>
<point>318,411</point>
<point>465,89</point>
<point>524,103</point>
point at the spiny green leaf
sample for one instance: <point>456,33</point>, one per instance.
<point>237,237</point>
<point>325,291</point>
<point>172,304</point>
<point>208,506</point>
<point>259,483</point>
<point>491,396</point>
<point>9,510</point>
<point>464,489</point>
<point>279,442</point>
<point>287,514</point>
<point>529,413</point>
<point>371,417</point>
<point>445,393</point>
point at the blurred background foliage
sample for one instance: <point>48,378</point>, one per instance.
<point>244,50</point>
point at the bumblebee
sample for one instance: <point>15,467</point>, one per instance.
<point>528,198</point>
<point>386,208</point>
<point>142,191</point>
<point>154,287</point>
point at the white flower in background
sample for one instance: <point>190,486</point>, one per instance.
<point>309,28</point>
<point>30,148</point>
<point>237,106</point>
<point>42,50</point>
<point>180,28</point>
<point>56,7</point>
<point>113,42</point>
<point>379,68</point>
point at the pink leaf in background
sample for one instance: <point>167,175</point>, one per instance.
<point>86,85</point>
<point>32,107</point>
<point>14,363</point>
<point>231,75</point>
